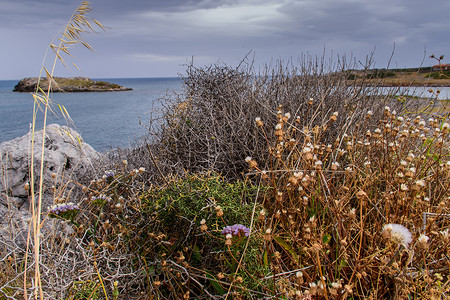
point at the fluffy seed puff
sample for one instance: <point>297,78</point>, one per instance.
<point>397,233</point>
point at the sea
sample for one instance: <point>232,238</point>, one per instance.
<point>105,120</point>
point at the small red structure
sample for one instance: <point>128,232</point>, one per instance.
<point>441,67</point>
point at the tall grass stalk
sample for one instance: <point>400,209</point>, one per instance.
<point>77,25</point>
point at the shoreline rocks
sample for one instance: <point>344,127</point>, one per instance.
<point>68,85</point>
<point>64,157</point>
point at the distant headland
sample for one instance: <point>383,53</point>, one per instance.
<point>68,85</point>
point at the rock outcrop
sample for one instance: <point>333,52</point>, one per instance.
<point>69,85</point>
<point>64,155</point>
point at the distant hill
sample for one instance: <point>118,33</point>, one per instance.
<point>68,85</point>
<point>427,76</point>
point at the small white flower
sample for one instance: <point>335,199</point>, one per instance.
<point>403,187</point>
<point>248,159</point>
<point>287,115</point>
<point>278,126</point>
<point>257,119</point>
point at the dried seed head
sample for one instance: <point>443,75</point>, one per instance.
<point>258,121</point>
<point>228,239</point>
<point>397,233</point>
<point>422,241</point>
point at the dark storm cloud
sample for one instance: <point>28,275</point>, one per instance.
<point>147,38</point>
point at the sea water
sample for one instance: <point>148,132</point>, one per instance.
<point>108,120</point>
<point>105,120</point>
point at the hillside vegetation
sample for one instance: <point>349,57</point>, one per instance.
<point>402,77</point>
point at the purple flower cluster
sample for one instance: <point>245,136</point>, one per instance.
<point>236,230</point>
<point>101,198</point>
<point>60,208</point>
<point>109,173</point>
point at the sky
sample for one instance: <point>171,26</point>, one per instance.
<point>158,38</point>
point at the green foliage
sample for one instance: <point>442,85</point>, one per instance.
<point>439,75</point>
<point>195,197</point>
<point>380,74</point>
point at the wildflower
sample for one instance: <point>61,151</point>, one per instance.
<point>262,215</point>
<point>109,173</point>
<point>445,235</point>
<point>445,127</point>
<point>397,233</point>
<point>410,173</point>
<point>361,194</point>
<point>236,230</point>
<point>334,116</point>
<point>369,114</point>
<point>423,241</point>
<point>334,166</point>
<point>239,279</point>
<point>101,199</point>
<point>141,170</point>
<point>287,115</point>
<point>228,239</point>
<point>419,184</point>
<point>278,126</point>
<point>252,163</point>
<point>318,164</point>
<point>203,226</point>
<point>310,102</point>
<point>219,211</point>
<point>410,157</point>
<point>403,164</point>
<point>403,187</point>
<point>64,210</point>
<point>258,121</point>
<point>312,288</point>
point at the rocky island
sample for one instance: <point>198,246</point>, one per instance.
<point>68,85</point>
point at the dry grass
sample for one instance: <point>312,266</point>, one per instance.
<point>334,192</point>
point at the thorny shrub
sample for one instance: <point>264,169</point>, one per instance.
<point>210,126</point>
